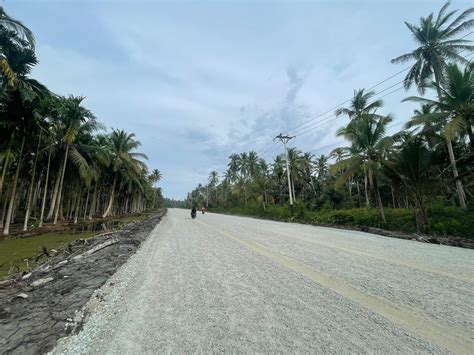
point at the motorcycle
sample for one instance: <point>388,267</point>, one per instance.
<point>193,215</point>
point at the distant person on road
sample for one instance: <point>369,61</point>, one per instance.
<point>193,212</point>
<point>203,210</point>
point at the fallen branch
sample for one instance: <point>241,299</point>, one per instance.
<point>95,249</point>
<point>41,282</point>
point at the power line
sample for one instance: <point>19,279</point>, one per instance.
<point>328,120</point>
<point>370,88</point>
<point>269,148</point>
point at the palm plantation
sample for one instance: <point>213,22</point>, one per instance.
<point>57,162</point>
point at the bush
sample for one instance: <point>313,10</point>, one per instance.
<point>443,220</point>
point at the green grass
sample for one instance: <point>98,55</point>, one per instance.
<point>14,251</point>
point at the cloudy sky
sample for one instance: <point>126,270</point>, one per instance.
<point>199,80</point>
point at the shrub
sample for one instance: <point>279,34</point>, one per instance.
<point>443,220</point>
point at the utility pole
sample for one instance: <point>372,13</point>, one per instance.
<point>285,139</point>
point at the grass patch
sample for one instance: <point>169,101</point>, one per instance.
<point>13,252</point>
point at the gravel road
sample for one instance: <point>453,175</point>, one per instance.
<point>232,284</point>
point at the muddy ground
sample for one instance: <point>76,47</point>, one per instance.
<point>38,308</point>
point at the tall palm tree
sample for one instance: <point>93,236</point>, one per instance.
<point>454,113</point>
<point>412,165</point>
<point>360,105</point>
<point>294,157</point>
<point>124,157</point>
<point>427,128</point>
<point>213,180</point>
<point>73,118</point>
<point>23,33</point>
<point>18,35</point>
<point>251,163</point>
<point>438,46</point>
<point>233,166</point>
<point>369,145</point>
<point>307,168</point>
<point>322,167</point>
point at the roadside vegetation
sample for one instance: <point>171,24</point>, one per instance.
<point>57,161</point>
<point>420,179</point>
<point>23,254</point>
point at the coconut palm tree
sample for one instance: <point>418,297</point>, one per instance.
<point>360,105</point>
<point>123,156</point>
<point>438,46</point>
<point>455,106</point>
<point>213,180</point>
<point>24,36</point>
<point>252,164</point>
<point>413,166</point>
<point>13,34</point>
<point>74,120</point>
<point>369,145</point>
<point>454,113</point>
<point>427,128</point>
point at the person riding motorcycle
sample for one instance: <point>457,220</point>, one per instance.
<point>193,212</point>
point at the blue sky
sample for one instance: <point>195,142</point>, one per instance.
<point>199,80</point>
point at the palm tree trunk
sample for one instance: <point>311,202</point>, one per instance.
<point>111,200</point>
<point>358,193</point>
<point>393,195</point>
<point>31,188</point>
<point>78,205</point>
<point>45,194</point>
<point>94,201</point>
<point>5,166</point>
<point>36,195</point>
<point>421,217</point>
<point>459,187</point>
<point>4,211</point>
<point>379,199</point>
<point>366,190</point>
<point>87,201</point>
<point>54,198</point>
<point>63,170</point>
<point>6,228</point>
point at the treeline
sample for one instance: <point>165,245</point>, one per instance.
<point>56,161</point>
<point>172,203</point>
<point>429,162</point>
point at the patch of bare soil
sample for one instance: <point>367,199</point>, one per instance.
<point>38,308</point>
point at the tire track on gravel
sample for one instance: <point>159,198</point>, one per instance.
<point>393,261</point>
<point>457,340</point>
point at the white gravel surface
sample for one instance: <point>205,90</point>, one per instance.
<point>233,284</point>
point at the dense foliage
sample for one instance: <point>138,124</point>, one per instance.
<point>56,161</point>
<point>419,179</point>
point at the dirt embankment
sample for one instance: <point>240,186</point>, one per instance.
<point>40,307</point>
